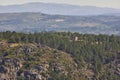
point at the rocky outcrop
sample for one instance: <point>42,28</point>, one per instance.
<point>35,62</point>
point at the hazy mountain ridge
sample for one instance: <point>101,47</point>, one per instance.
<point>61,9</point>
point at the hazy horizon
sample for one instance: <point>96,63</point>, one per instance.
<point>102,3</point>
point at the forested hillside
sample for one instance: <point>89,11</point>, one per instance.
<point>59,56</point>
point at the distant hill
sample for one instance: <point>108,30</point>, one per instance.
<point>37,22</point>
<point>60,9</point>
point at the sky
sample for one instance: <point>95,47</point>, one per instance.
<point>98,3</point>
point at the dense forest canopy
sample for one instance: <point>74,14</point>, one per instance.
<point>98,53</point>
